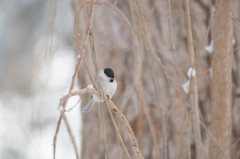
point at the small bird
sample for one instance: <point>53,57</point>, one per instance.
<point>109,86</point>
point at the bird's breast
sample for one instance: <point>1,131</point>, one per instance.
<point>109,88</point>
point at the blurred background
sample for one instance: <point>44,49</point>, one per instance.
<point>38,56</point>
<point>34,77</point>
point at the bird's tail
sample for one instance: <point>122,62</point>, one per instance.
<point>89,105</point>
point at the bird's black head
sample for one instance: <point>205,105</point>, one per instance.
<point>109,72</point>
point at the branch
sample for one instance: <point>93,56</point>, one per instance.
<point>116,111</point>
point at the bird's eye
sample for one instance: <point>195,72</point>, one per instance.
<point>111,80</point>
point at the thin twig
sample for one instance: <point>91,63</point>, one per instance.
<point>52,26</point>
<point>214,139</point>
<point>194,87</point>
<point>71,135</point>
<point>149,121</point>
<point>189,126</point>
<point>233,144</point>
<point>180,138</point>
<point>170,25</point>
<point>104,129</point>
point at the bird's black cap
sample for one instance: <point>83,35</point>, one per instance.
<point>109,72</point>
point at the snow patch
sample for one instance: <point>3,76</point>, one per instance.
<point>90,86</point>
<point>233,41</point>
<point>61,108</point>
<point>185,86</point>
<point>191,72</point>
<point>209,48</point>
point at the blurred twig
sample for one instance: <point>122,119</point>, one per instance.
<point>194,87</point>
<point>170,25</point>
<point>52,25</point>
<point>180,138</point>
<point>213,138</point>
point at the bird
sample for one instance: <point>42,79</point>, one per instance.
<point>109,87</point>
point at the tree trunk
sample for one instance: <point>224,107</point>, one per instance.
<point>221,124</point>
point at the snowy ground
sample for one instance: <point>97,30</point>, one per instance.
<point>28,123</point>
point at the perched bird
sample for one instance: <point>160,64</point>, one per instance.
<point>109,86</point>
